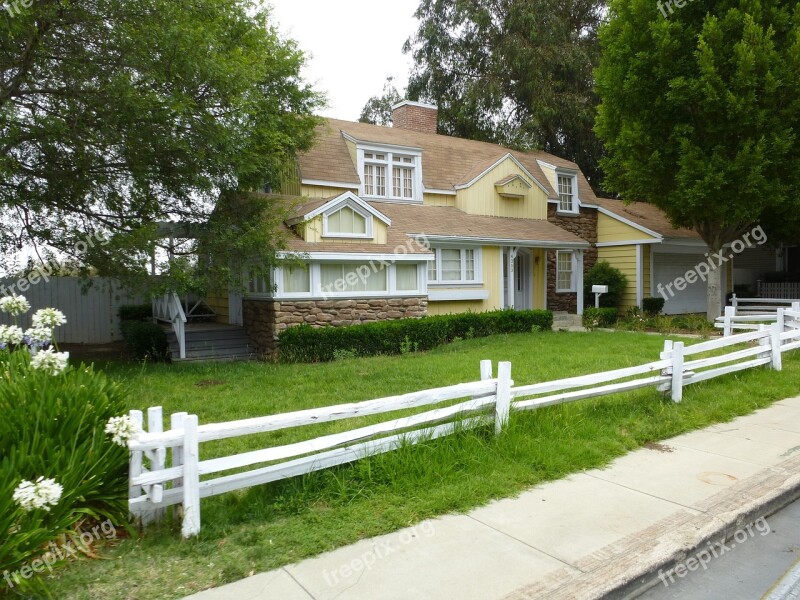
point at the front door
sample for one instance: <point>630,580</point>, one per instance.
<point>517,280</point>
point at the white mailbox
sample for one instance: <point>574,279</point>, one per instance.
<point>599,289</point>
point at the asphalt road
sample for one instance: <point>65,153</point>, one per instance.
<point>748,567</point>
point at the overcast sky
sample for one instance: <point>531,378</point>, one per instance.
<point>353,45</point>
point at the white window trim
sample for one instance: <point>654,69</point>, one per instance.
<point>317,293</point>
<point>389,151</point>
<point>438,282</point>
<point>572,288</point>
<point>576,203</point>
<point>326,233</point>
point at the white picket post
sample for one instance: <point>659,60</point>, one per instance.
<point>135,465</point>
<point>781,320</point>
<point>665,387</point>
<point>191,477</point>
<point>176,422</point>
<point>677,372</point>
<point>155,424</point>
<point>730,313</point>
<point>486,370</point>
<point>503,404</point>
<point>765,342</point>
<point>734,302</point>
<point>775,343</point>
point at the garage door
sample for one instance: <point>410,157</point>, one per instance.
<point>666,269</point>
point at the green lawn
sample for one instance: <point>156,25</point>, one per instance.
<point>266,527</point>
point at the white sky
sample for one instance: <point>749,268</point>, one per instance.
<point>352,46</point>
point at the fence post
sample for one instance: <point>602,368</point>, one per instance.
<point>503,404</point>
<point>135,467</point>
<point>765,342</point>
<point>155,424</point>
<point>734,301</point>
<point>664,387</point>
<point>677,372</point>
<point>191,478</point>
<point>795,306</point>
<point>781,320</point>
<point>486,370</point>
<point>730,312</point>
<point>775,343</point>
<point>176,423</point>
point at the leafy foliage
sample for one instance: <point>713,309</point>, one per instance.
<point>304,343</point>
<point>653,306</point>
<point>599,317</point>
<point>135,312</point>
<point>513,72</point>
<point>54,427</point>
<point>145,340</point>
<point>602,273</point>
<point>378,109</point>
<point>118,114</point>
<point>700,114</point>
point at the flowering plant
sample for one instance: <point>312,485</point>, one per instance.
<point>14,305</point>
<point>42,493</point>
<point>122,429</point>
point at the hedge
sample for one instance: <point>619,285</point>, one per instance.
<point>304,343</point>
<point>136,312</point>
<point>145,340</point>
<point>653,306</point>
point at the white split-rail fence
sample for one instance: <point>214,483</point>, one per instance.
<point>748,314</point>
<point>174,470</point>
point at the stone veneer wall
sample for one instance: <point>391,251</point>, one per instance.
<point>584,225</point>
<point>265,319</point>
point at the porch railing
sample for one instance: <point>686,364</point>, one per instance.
<point>788,290</point>
<point>168,309</point>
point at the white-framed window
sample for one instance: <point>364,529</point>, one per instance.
<point>391,174</point>
<point>455,266</point>
<point>567,197</point>
<point>347,222</point>
<point>352,278</point>
<point>565,271</point>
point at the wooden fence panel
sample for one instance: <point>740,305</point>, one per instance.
<point>91,316</point>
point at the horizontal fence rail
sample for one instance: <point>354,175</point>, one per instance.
<point>166,467</point>
<point>747,314</point>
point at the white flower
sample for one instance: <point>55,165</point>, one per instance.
<point>39,335</point>
<point>48,317</point>
<point>14,305</point>
<point>50,361</point>
<point>11,334</point>
<point>122,429</point>
<point>43,493</point>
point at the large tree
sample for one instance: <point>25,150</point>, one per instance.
<point>378,109</point>
<point>117,114</point>
<point>700,113</point>
<point>514,72</point>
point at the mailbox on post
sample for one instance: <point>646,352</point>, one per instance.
<point>598,290</point>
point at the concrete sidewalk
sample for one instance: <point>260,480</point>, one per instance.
<point>605,532</point>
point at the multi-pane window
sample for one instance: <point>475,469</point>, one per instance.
<point>566,195</point>
<point>346,221</point>
<point>564,271</point>
<point>378,165</point>
<point>454,265</point>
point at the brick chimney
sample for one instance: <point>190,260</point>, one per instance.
<point>415,116</point>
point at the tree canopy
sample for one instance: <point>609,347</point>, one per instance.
<point>700,113</point>
<point>378,109</point>
<point>117,114</point>
<point>513,72</point>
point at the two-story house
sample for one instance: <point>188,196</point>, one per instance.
<point>397,222</point>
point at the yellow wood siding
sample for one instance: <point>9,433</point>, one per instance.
<point>624,259</point>
<point>312,232</point>
<point>551,176</point>
<point>317,191</point>
<point>612,230</point>
<point>218,301</point>
<point>492,281</point>
<point>482,198</point>
<point>646,275</point>
<point>439,200</point>
<point>290,180</point>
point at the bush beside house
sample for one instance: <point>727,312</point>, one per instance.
<point>304,343</point>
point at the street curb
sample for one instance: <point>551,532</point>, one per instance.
<point>631,566</point>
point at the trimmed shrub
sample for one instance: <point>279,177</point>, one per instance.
<point>602,273</point>
<point>304,343</point>
<point>599,317</point>
<point>135,312</point>
<point>145,340</point>
<point>653,306</point>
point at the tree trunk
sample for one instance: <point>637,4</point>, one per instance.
<point>714,291</point>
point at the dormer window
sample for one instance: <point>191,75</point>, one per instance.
<point>567,187</point>
<point>391,175</point>
<point>347,222</point>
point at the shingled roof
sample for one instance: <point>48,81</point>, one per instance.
<point>446,161</point>
<point>648,216</point>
